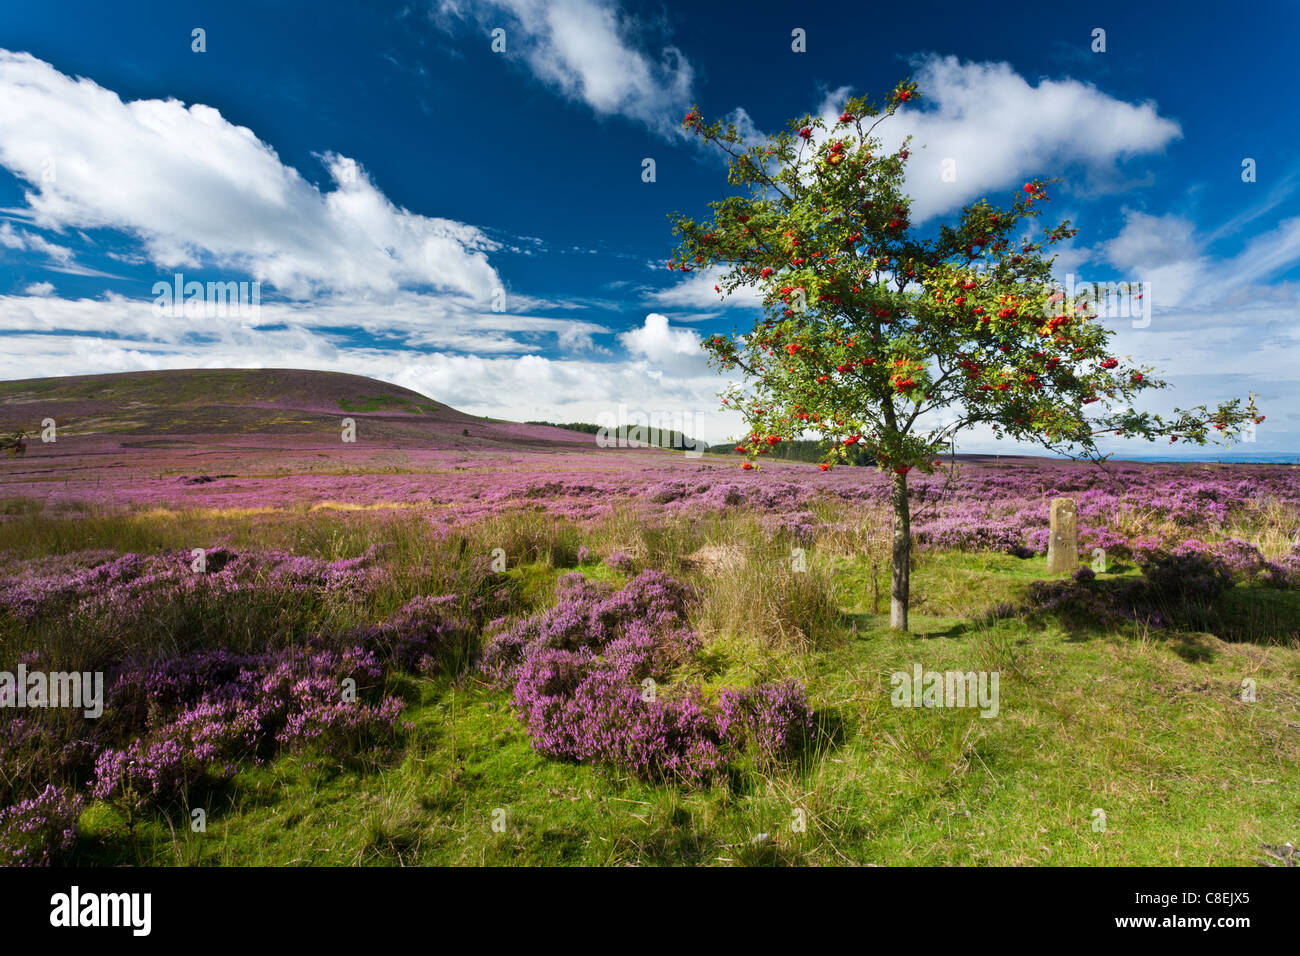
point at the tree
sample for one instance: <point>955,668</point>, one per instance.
<point>866,325</point>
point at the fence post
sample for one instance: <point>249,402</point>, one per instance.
<point>1063,545</point>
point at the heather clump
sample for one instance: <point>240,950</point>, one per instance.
<point>427,635</point>
<point>38,747</point>
<point>1175,580</point>
<point>774,719</point>
<point>1188,570</point>
<point>576,708</point>
<point>245,710</point>
<point>202,745</point>
<point>40,830</point>
<point>649,613</point>
<point>585,681</point>
<point>167,685</point>
<point>1242,558</point>
<point>1284,572</point>
<point>620,561</point>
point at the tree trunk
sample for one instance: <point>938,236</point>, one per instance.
<point>900,579</point>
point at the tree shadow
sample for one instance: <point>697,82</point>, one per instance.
<point>862,624</point>
<point>1101,607</point>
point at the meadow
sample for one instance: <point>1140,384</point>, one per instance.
<point>581,656</point>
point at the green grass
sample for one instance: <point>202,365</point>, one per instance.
<point>1148,727</point>
<point>1185,772</point>
<point>380,403</point>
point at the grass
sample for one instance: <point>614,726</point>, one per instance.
<point>380,403</point>
<point>1185,773</point>
<point>1148,728</point>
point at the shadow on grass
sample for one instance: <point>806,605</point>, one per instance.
<point>1084,610</point>
<point>674,841</point>
<point>861,625</point>
<point>161,835</point>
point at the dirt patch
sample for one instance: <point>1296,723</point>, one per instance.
<point>713,559</point>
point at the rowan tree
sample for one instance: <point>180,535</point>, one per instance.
<point>869,329</point>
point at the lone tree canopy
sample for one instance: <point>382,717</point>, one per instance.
<point>866,326</point>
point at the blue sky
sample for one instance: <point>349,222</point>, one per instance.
<point>382,172</point>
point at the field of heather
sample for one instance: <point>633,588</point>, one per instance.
<point>549,653</point>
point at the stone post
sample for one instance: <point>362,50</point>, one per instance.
<point>1063,546</point>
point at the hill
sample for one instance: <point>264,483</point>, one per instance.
<point>253,401</point>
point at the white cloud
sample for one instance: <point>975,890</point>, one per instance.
<point>1265,255</point>
<point>198,190</point>
<point>64,337</point>
<point>1168,252</point>
<point>696,292</point>
<point>417,321</point>
<point>586,49</point>
<point>1152,241</point>
<point>1000,129</point>
<point>21,240</point>
<point>1162,251</point>
<point>40,289</point>
<point>658,340</point>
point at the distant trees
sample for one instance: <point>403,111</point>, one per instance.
<point>629,434</point>
<point>585,427</point>
<point>800,449</point>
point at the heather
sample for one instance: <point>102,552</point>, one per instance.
<point>39,830</point>
<point>129,585</point>
<point>670,657</point>
<point>175,727</point>
<point>998,505</point>
<point>590,680</point>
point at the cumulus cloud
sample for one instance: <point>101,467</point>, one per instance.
<point>200,191</point>
<point>658,339</point>
<point>1000,129</point>
<point>587,50</point>
<point>40,289</point>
